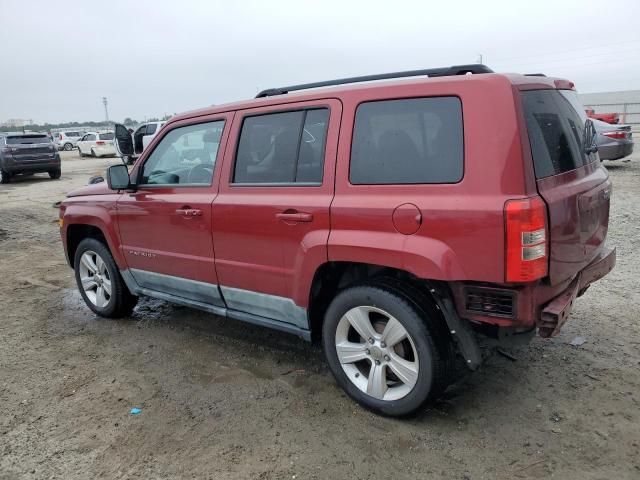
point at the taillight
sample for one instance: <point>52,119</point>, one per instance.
<point>60,136</point>
<point>526,239</point>
<point>100,142</point>
<point>618,135</point>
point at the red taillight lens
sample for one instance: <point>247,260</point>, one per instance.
<point>618,135</point>
<point>60,136</point>
<point>526,239</point>
<point>100,142</point>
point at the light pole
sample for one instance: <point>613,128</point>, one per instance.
<point>106,111</point>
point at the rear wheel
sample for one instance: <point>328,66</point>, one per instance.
<point>5,177</point>
<point>55,174</point>
<point>100,282</point>
<point>382,350</point>
<point>68,147</point>
<point>80,151</point>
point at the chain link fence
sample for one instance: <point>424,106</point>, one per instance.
<point>629,112</point>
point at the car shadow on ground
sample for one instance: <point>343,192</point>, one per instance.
<point>30,179</point>
<point>282,352</point>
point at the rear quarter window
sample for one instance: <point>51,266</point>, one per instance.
<point>409,141</point>
<point>555,126</point>
<point>106,136</point>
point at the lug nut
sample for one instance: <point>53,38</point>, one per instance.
<point>383,345</point>
<point>368,352</point>
<point>386,358</point>
<point>371,340</point>
<point>377,362</point>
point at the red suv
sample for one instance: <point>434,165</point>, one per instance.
<point>406,224</point>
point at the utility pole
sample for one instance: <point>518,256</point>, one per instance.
<point>106,111</point>
<point>479,58</point>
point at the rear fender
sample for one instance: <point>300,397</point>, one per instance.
<point>424,257</point>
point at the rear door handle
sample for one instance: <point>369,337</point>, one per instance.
<point>289,216</point>
<point>189,212</point>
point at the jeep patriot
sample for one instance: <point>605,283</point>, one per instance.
<point>407,224</point>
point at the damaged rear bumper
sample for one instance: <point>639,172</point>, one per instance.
<point>557,311</point>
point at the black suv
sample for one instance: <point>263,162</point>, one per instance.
<point>27,153</point>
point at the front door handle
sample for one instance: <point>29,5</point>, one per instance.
<point>189,212</point>
<point>294,216</point>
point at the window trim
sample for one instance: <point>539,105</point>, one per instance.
<point>305,109</point>
<point>154,186</point>
<point>421,97</point>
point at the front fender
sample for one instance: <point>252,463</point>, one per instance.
<point>97,212</point>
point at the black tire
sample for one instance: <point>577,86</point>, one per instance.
<point>122,301</point>
<point>93,153</point>
<point>80,153</point>
<point>5,177</point>
<point>68,147</point>
<point>433,349</point>
<point>55,174</point>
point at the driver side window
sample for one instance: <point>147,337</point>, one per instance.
<point>185,156</point>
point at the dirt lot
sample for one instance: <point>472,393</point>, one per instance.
<point>221,399</point>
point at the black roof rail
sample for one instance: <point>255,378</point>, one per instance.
<point>430,72</point>
<point>534,75</point>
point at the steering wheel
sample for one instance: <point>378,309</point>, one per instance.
<point>200,173</point>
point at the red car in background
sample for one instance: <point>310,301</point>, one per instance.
<point>612,118</point>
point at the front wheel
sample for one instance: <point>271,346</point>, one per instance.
<point>100,282</point>
<point>93,153</point>
<point>382,350</point>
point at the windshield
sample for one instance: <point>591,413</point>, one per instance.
<point>27,139</point>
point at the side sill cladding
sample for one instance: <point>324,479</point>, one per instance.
<point>291,313</point>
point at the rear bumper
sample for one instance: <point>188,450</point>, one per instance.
<point>555,314</point>
<point>32,166</point>
<point>104,151</point>
<point>615,152</point>
<point>536,304</point>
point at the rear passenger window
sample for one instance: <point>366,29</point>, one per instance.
<point>286,147</point>
<point>151,128</point>
<point>409,141</point>
<point>555,124</point>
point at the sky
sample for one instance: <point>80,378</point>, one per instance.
<point>151,58</point>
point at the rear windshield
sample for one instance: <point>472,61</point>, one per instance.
<point>556,125</point>
<point>106,136</point>
<point>26,139</point>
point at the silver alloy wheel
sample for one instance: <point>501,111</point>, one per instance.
<point>377,353</point>
<point>68,147</point>
<point>95,279</point>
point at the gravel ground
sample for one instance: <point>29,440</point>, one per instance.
<point>221,399</point>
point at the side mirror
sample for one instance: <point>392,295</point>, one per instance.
<point>118,177</point>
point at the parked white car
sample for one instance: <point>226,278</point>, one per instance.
<point>97,144</point>
<point>67,140</point>
<point>141,138</point>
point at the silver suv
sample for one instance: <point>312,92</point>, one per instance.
<point>67,140</point>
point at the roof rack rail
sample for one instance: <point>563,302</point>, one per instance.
<point>534,75</point>
<point>474,68</point>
